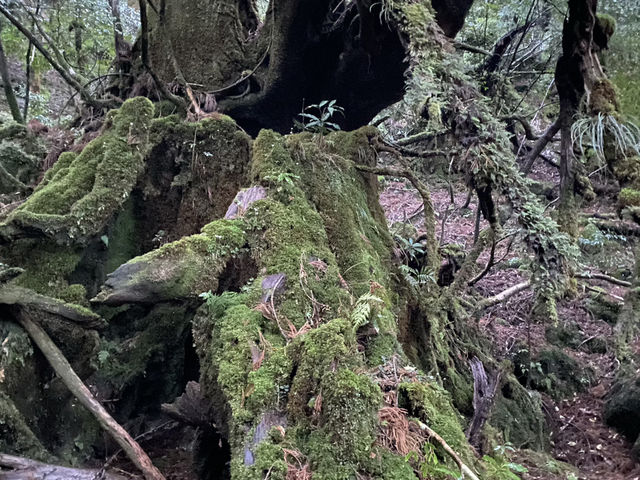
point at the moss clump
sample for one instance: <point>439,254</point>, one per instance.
<point>17,168</point>
<point>46,266</point>
<point>432,405</point>
<point>75,294</point>
<point>606,24</point>
<point>627,170</point>
<point>568,335</point>
<point>629,197</point>
<point>602,308</point>
<point>591,239</point>
<point>84,192</point>
<point>349,413</point>
<point>552,371</point>
<point>622,409</point>
<point>517,413</point>
<point>181,269</point>
<point>314,354</point>
<point>604,98</point>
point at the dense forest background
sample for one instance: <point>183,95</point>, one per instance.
<point>319,239</point>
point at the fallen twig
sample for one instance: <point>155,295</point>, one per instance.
<point>603,277</point>
<point>502,296</point>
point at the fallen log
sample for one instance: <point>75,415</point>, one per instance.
<point>19,468</point>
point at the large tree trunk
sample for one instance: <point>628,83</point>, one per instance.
<point>306,51</point>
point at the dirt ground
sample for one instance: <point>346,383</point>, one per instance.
<point>579,436</point>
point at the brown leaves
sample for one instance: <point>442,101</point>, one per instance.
<point>395,433</point>
<point>297,466</point>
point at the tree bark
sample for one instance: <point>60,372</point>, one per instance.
<point>8,87</point>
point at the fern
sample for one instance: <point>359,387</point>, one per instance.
<point>362,310</point>
<point>417,278</point>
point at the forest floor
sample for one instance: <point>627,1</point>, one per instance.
<point>579,435</point>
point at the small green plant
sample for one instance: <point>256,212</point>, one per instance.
<point>317,118</point>
<point>428,464</point>
<point>499,467</point>
<point>411,248</point>
<point>363,309</point>
<point>418,278</point>
<point>282,178</point>
<point>597,132</point>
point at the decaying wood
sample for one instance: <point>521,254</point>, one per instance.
<point>622,228</point>
<point>19,468</point>
<point>191,407</point>
<point>484,392</point>
<point>540,145</point>
<point>23,297</point>
<point>64,370</point>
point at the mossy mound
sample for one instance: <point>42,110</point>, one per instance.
<point>517,415</point>
<point>82,192</point>
<point>604,98</point>
<point>552,371</point>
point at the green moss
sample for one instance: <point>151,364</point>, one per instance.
<point>80,198</point>
<point>627,171</point>
<point>15,435</point>
<point>314,355</point>
<point>604,98</point>
<point>21,167</point>
<point>602,308</point>
<point>606,23</point>
<point>381,348</point>
<point>517,415</point>
<point>75,294</point>
<point>432,405</point>
<point>591,239</point>
<point>552,371</point>
<point>47,266</point>
<point>185,268</point>
<point>270,383</point>
<point>349,413</point>
<point>122,241</point>
<point>61,167</point>
<point>629,197</point>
